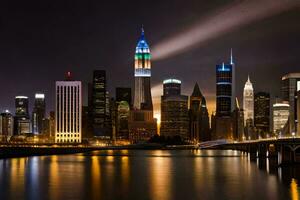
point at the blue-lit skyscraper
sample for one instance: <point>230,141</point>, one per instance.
<point>224,89</point>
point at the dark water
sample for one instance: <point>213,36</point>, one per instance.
<point>184,174</point>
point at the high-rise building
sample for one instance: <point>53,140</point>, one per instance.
<point>142,75</point>
<point>68,111</point>
<point>22,124</point>
<point>225,102</point>
<point>289,93</point>
<point>262,113</point>
<point>225,77</point>
<point>6,125</point>
<point>142,125</point>
<point>98,109</point>
<point>280,116</point>
<point>174,110</point>
<point>38,114</point>
<point>123,105</point>
<point>198,114</point>
<point>248,102</point>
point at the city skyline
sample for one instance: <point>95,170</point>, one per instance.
<point>255,48</point>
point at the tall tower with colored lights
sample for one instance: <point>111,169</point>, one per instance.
<point>142,125</point>
<point>142,75</point>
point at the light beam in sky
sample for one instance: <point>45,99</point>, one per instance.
<point>226,19</point>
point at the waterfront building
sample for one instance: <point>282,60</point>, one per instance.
<point>289,93</point>
<point>198,117</point>
<point>22,124</point>
<point>262,113</point>
<point>174,110</point>
<point>248,102</point>
<point>280,117</point>
<point>225,102</point>
<point>6,125</point>
<point>68,111</point>
<point>98,106</point>
<point>38,114</point>
<point>142,125</point>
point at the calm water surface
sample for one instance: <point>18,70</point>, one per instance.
<point>157,174</point>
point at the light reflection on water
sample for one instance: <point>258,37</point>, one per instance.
<point>153,174</point>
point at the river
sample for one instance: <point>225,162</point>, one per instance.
<point>147,174</point>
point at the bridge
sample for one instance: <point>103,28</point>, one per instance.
<point>285,150</point>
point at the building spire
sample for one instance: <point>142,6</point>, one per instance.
<point>231,57</point>
<point>142,31</point>
<point>248,78</point>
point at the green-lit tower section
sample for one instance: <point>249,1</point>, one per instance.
<point>142,75</point>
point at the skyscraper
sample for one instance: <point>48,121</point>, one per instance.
<point>22,123</point>
<point>38,113</point>
<point>142,75</point>
<point>98,108</point>
<point>224,73</point>
<point>68,111</point>
<point>262,113</point>
<point>248,102</point>
<point>280,116</point>
<point>6,125</point>
<point>289,93</point>
<point>174,110</point>
<point>198,114</point>
<point>142,125</point>
<point>123,105</point>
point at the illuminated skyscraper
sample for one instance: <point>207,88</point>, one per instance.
<point>38,113</point>
<point>142,125</point>
<point>280,116</point>
<point>248,102</point>
<point>142,75</point>
<point>68,111</point>
<point>22,124</point>
<point>225,102</point>
<point>174,110</point>
<point>225,77</point>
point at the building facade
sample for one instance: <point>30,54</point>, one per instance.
<point>198,117</point>
<point>262,113</point>
<point>174,111</point>
<point>68,111</point>
<point>38,114</point>
<point>289,93</point>
<point>98,108</point>
<point>280,117</point>
<point>6,125</point>
<point>248,102</point>
<point>22,123</point>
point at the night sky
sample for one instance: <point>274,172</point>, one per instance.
<point>41,40</point>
